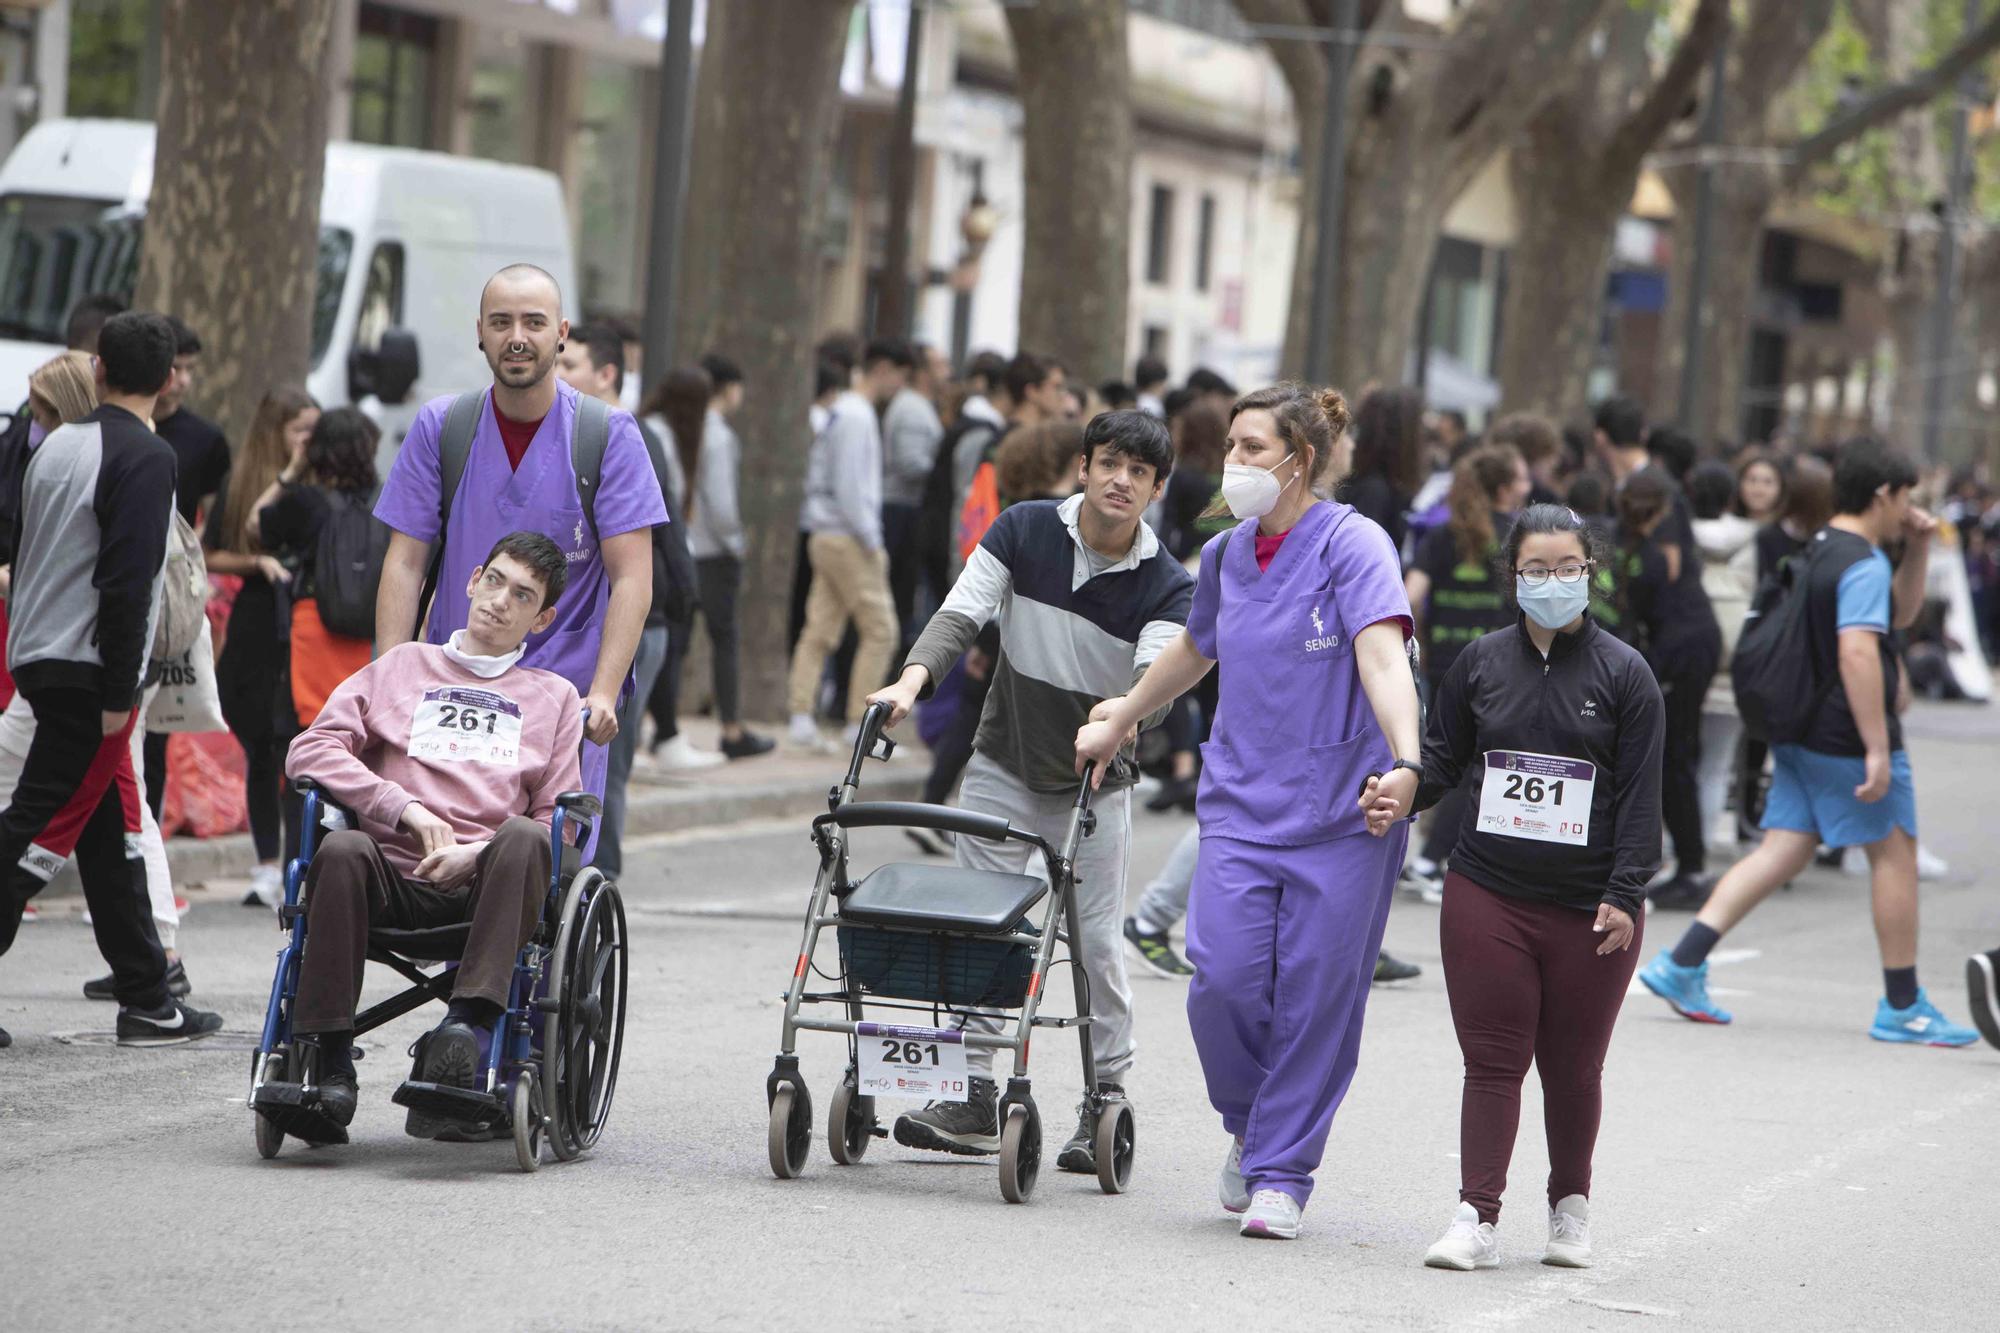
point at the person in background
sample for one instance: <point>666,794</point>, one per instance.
<point>336,466</point>
<point>716,540</point>
<point>1388,445</point>
<point>1588,495</point>
<point>252,673</point>
<point>842,516</point>
<point>1674,451</point>
<point>911,433</point>
<point>675,413</point>
<point>1458,594</point>
<point>1452,432</point>
<point>1200,432</point>
<point>1759,493</point>
<point>1038,462</point>
<point>1149,384</point>
<point>1540,446</point>
<point>1726,543</point>
<point>1116,395</point>
<point>1805,507</point>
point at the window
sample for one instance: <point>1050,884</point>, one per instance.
<point>55,249</point>
<point>498,96</point>
<point>113,59</point>
<point>382,297</point>
<point>1160,234</point>
<point>1155,341</point>
<point>612,177</point>
<point>1204,241</point>
<point>392,77</point>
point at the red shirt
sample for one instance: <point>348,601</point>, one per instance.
<point>516,435</point>
<point>1267,548</point>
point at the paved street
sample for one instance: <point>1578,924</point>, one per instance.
<point>1785,1172</point>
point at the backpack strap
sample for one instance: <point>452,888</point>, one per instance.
<point>586,453</point>
<point>461,423</point>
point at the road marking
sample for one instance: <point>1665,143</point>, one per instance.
<point>1622,1307</point>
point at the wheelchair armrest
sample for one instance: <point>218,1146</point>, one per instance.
<point>580,803</point>
<point>312,790</point>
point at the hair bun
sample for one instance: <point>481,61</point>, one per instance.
<point>1334,404</point>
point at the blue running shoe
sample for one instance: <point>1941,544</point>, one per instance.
<point>1685,988</point>
<point>1921,1024</point>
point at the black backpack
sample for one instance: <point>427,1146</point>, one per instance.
<point>1775,671</point>
<point>347,566</point>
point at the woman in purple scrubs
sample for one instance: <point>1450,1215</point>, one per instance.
<point>1303,603</point>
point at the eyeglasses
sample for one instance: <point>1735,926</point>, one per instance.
<point>1536,577</point>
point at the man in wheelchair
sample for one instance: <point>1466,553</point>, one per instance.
<point>450,758</point>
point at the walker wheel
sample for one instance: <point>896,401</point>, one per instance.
<point>789,1137</point>
<point>1020,1152</point>
<point>526,1113</point>
<point>1114,1141</point>
<point>850,1124</point>
<point>269,1137</point>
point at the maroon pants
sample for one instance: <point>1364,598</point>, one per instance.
<point>1526,983</point>
<point>352,887</point>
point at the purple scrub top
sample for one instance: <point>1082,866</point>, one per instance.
<point>1294,735</point>
<point>494,499</point>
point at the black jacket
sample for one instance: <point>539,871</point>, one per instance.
<point>1593,699</point>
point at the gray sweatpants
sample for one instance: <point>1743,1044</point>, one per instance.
<point>1164,903</point>
<point>1101,863</point>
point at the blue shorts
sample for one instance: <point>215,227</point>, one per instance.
<point>1814,793</point>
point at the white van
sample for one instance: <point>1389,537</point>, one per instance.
<point>407,239</point>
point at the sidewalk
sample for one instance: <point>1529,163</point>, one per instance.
<point>784,784</point>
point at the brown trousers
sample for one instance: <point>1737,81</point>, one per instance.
<point>352,887</point>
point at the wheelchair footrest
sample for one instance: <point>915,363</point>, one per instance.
<point>274,1095</point>
<point>449,1103</point>
<point>297,1112</point>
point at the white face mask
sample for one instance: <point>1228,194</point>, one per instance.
<point>1252,492</point>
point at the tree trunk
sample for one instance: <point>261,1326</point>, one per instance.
<point>232,230</point>
<point>1550,319</point>
<point>757,186</point>
<point>1074,76</point>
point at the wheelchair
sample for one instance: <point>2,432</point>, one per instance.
<point>552,1056</point>
<point>937,940</point>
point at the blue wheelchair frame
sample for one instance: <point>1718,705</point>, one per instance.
<point>514,1047</point>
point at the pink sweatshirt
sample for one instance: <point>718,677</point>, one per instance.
<point>416,726</point>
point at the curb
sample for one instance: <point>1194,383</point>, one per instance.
<point>651,809</point>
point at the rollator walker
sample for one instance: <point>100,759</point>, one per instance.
<point>551,1059</point>
<point>937,940</point>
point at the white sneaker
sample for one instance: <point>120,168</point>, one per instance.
<point>1273,1215</point>
<point>1854,861</point>
<point>1467,1243</point>
<point>678,756</point>
<point>1931,866</point>
<point>267,886</point>
<point>1569,1233</point>
<point>804,733</point>
<point>1235,1190</point>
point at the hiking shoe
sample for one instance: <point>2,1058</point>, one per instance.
<point>970,1128</point>
<point>1920,1025</point>
<point>1080,1153</point>
<point>1467,1243</point>
<point>1273,1215</point>
<point>1982,984</point>
<point>338,1094</point>
<point>447,1055</point>
<point>105,988</point>
<point>1685,988</point>
<point>171,1026</point>
<point>1156,951</point>
<point>1569,1233</point>
<point>748,746</point>
<point>1388,967</point>
<point>1231,1186</point>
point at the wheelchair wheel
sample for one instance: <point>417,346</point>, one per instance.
<point>527,1122</point>
<point>1020,1152</point>
<point>850,1124</point>
<point>788,1138</point>
<point>1114,1142</point>
<point>269,1137</point>
<point>583,1037</point>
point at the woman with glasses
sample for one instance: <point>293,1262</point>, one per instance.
<point>1561,725</point>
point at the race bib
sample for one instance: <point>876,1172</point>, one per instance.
<point>1541,797</point>
<point>925,1063</point>
<point>457,725</point>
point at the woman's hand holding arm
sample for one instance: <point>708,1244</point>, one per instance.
<point>1178,669</point>
<point>1384,667</point>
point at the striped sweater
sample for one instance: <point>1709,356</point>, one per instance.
<point>1072,632</point>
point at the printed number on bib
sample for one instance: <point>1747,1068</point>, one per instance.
<point>1541,797</point>
<point>896,1061</point>
<point>456,725</point>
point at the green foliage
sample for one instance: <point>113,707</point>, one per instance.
<point>107,58</point>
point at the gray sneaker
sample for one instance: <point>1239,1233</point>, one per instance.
<point>1080,1153</point>
<point>970,1128</point>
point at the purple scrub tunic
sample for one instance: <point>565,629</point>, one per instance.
<point>495,499</point>
<point>1291,894</point>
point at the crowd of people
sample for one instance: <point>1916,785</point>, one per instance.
<point>1307,625</point>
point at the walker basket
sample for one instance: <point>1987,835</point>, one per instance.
<point>952,970</point>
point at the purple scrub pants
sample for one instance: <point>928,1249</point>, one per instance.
<point>1283,941</point>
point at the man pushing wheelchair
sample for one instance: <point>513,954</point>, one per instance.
<point>450,759</point>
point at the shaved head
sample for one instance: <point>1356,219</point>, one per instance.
<point>524,282</point>
<point>521,328</point>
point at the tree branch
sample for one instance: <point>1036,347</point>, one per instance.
<point>1502,58</point>
<point>1885,104</point>
<point>1302,63</point>
<point>1655,114</point>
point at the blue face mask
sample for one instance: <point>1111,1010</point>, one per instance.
<point>1553,604</point>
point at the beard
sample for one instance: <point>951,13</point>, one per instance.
<point>516,374</point>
